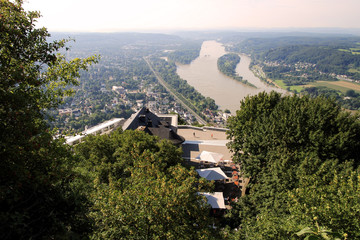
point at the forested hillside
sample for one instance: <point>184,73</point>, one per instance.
<point>326,59</point>
<point>124,185</point>
<point>38,197</point>
<point>262,42</point>
<point>327,55</point>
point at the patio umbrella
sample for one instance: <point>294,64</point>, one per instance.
<point>210,156</point>
<point>212,174</point>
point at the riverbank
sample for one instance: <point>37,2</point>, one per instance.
<point>258,72</point>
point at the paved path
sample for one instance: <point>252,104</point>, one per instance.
<point>164,84</point>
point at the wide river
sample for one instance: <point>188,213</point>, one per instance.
<point>205,77</point>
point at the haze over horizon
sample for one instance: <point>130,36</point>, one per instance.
<point>166,15</point>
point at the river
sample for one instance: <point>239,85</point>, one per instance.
<point>205,77</point>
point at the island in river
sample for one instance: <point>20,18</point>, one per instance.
<point>227,65</point>
<point>204,75</point>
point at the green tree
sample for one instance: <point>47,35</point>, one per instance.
<point>140,190</point>
<point>332,205</point>
<point>152,205</point>
<point>282,142</point>
<point>36,193</point>
<point>350,93</point>
<point>111,156</point>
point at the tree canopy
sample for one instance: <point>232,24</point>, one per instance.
<point>139,190</point>
<point>297,151</point>
<point>36,196</point>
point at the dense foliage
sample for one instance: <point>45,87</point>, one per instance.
<point>125,185</point>
<point>37,197</point>
<point>139,190</point>
<point>349,100</point>
<point>302,156</point>
<point>227,65</point>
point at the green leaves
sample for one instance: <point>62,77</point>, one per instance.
<point>335,204</point>
<point>37,192</point>
<point>300,146</point>
<point>140,190</point>
<point>319,234</point>
<point>150,207</point>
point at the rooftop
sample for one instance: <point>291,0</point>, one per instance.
<point>98,128</point>
<point>161,126</point>
<point>204,139</point>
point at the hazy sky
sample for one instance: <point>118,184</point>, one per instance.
<point>142,15</point>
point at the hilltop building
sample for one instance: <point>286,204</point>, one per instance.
<point>163,126</point>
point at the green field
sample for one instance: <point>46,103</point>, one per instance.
<point>281,83</point>
<point>353,70</point>
<point>354,51</point>
<point>341,86</point>
<point>335,85</point>
<point>344,50</point>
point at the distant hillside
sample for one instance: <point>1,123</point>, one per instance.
<point>331,55</point>
<point>111,39</point>
<point>115,43</point>
<point>258,45</point>
<point>186,53</point>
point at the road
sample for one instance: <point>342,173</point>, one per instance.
<point>163,83</point>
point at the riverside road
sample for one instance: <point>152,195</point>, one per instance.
<point>163,83</point>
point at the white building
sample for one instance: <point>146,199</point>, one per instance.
<point>98,129</point>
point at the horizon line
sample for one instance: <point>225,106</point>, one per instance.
<point>324,30</point>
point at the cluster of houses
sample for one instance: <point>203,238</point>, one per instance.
<point>163,103</point>
<point>70,112</point>
<point>311,66</point>
<point>147,95</point>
